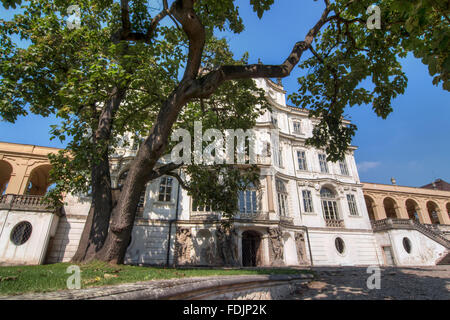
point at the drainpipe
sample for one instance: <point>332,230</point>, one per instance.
<point>309,247</point>
<point>171,222</point>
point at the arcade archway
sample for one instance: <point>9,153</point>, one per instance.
<point>5,175</point>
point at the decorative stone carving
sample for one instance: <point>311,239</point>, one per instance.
<point>275,247</point>
<point>205,249</point>
<point>301,248</point>
<point>184,246</point>
<point>226,246</point>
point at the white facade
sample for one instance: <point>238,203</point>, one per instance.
<point>307,212</point>
<point>151,233</point>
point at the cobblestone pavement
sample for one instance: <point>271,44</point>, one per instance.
<point>350,283</point>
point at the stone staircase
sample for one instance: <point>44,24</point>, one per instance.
<point>433,232</point>
<point>445,260</point>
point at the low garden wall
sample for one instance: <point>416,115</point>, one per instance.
<point>257,287</point>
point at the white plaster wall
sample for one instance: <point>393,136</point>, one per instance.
<point>290,250</point>
<point>424,251</point>
<point>149,244</point>
<point>360,248</point>
<point>34,249</point>
<point>76,205</point>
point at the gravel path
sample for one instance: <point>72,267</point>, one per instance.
<point>350,283</point>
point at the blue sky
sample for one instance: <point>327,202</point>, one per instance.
<point>412,145</point>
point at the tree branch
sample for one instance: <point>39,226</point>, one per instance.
<point>207,84</point>
<point>185,14</point>
<point>179,179</point>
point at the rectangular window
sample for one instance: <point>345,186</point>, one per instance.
<point>165,189</point>
<point>323,163</point>
<point>330,211</point>
<point>307,201</point>
<point>247,201</point>
<point>352,205</point>
<point>282,198</point>
<point>282,204</point>
<point>301,155</point>
<point>297,127</point>
<point>344,168</point>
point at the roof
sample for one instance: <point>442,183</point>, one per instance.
<point>439,184</point>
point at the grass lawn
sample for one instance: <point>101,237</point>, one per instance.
<point>44,278</point>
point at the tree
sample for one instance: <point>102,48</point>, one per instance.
<point>129,68</point>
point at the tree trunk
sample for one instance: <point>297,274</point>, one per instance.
<point>97,224</point>
<point>141,170</point>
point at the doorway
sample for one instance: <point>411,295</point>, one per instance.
<point>251,249</point>
<point>389,258</point>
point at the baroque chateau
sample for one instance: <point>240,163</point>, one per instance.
<point>307,211</point>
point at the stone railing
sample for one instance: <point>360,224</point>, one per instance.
<point>389,224</point>
<point>331,223</point>
<point>288,220</point>
<point>206,216</point>
<point>23,203</point>
<point>253,216</point>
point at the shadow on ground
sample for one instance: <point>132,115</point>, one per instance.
<point>350,283</point>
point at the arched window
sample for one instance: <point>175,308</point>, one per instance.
<point>282,198</point>
<point>329,204</point>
